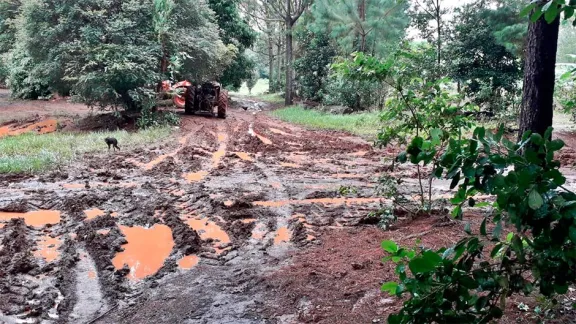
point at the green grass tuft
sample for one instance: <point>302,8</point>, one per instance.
<point>36,153</point>
<point>363,124</point>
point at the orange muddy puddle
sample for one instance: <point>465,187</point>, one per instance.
<point>34,218</point>
<point>93,213</point>
<point>283,235</point>
<point>92,275</point>
<point>276,185</point>
<point>2,225</point>
<point>209,230</point>
<point>290,165</point>
<point>218,155</point>
<point>196,176</point>
<point>248,220</point>
<point>228,203</point>
<point>264,139</point>
<point>146,250</point>
<point>328,201</point>
<point>188,262</point>
<point>150,165</point>
<point>43,127</point>
<point>48,248</point>
<point>244,156</point>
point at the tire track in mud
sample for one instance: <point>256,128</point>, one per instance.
<point>248,202</point>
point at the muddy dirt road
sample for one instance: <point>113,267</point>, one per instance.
<point>243,220</point>
<point>183,231</point>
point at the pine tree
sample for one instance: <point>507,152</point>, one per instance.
<point>373,26</point>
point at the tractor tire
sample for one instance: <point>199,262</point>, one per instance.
<point>222,104</point>
<point>189,96</point>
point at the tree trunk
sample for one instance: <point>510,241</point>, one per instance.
<point>279,69</point>
<point>439,33</point>
<point>289,85</point>
<point>269,29</point>
<point>362,15</point>
<point>539,77</point>
<point>270,68</point>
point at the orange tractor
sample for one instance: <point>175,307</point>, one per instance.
<point>198,98</point>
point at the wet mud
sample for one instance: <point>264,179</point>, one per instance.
<point>199,230</point>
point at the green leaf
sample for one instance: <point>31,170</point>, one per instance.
<point>402,157</point>
<point>455,181</point>
<point>468,282</point>
<point>457,212</point>
<point>422,265</point>
<point>572,234</point>
<point>551,14</point>
<point>438,172</point>
<point>528,9</point>
<point>390,287</point>
<point>535,200</point>
<point>389,246</point>
<point>547,5</point>
<point>568,12</point>
<point>556,145</point>
<point>509,237</point>
<point>483,227</point>
<point>496,250</point>
<point>537,139</point>
<point>433,257</point>
<point>518,247</point>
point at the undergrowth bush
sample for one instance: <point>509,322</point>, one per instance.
<point>465,283</point>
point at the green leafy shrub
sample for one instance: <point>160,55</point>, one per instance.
<point>313,67</point>
<point>420,112</point>
<point>465,284</point>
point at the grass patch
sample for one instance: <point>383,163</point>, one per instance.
<point>36,153</point>
<point>259,88</point>
<point>259,92</point>
<point>363,124</point>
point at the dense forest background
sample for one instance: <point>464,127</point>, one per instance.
<point>113,53</point>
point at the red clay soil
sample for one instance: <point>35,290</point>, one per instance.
<point>339,280</point>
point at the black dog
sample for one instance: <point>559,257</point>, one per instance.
<point>111,141</point>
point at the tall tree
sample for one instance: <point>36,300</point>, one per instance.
<point>234,30</point>
<point>372,26</point>
<point>488,70</point>
<point>429,17</point>
<point>9,10</point>
<point>109,52</point>
<point>289,11</point>
<point>540,66</point>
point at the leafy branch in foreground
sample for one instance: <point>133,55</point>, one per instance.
<point>464,284</point>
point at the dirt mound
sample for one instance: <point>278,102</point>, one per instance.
<point>186,239</point>
<point>16,206</point>
<point>77,204</point>
<point>105,122</point>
